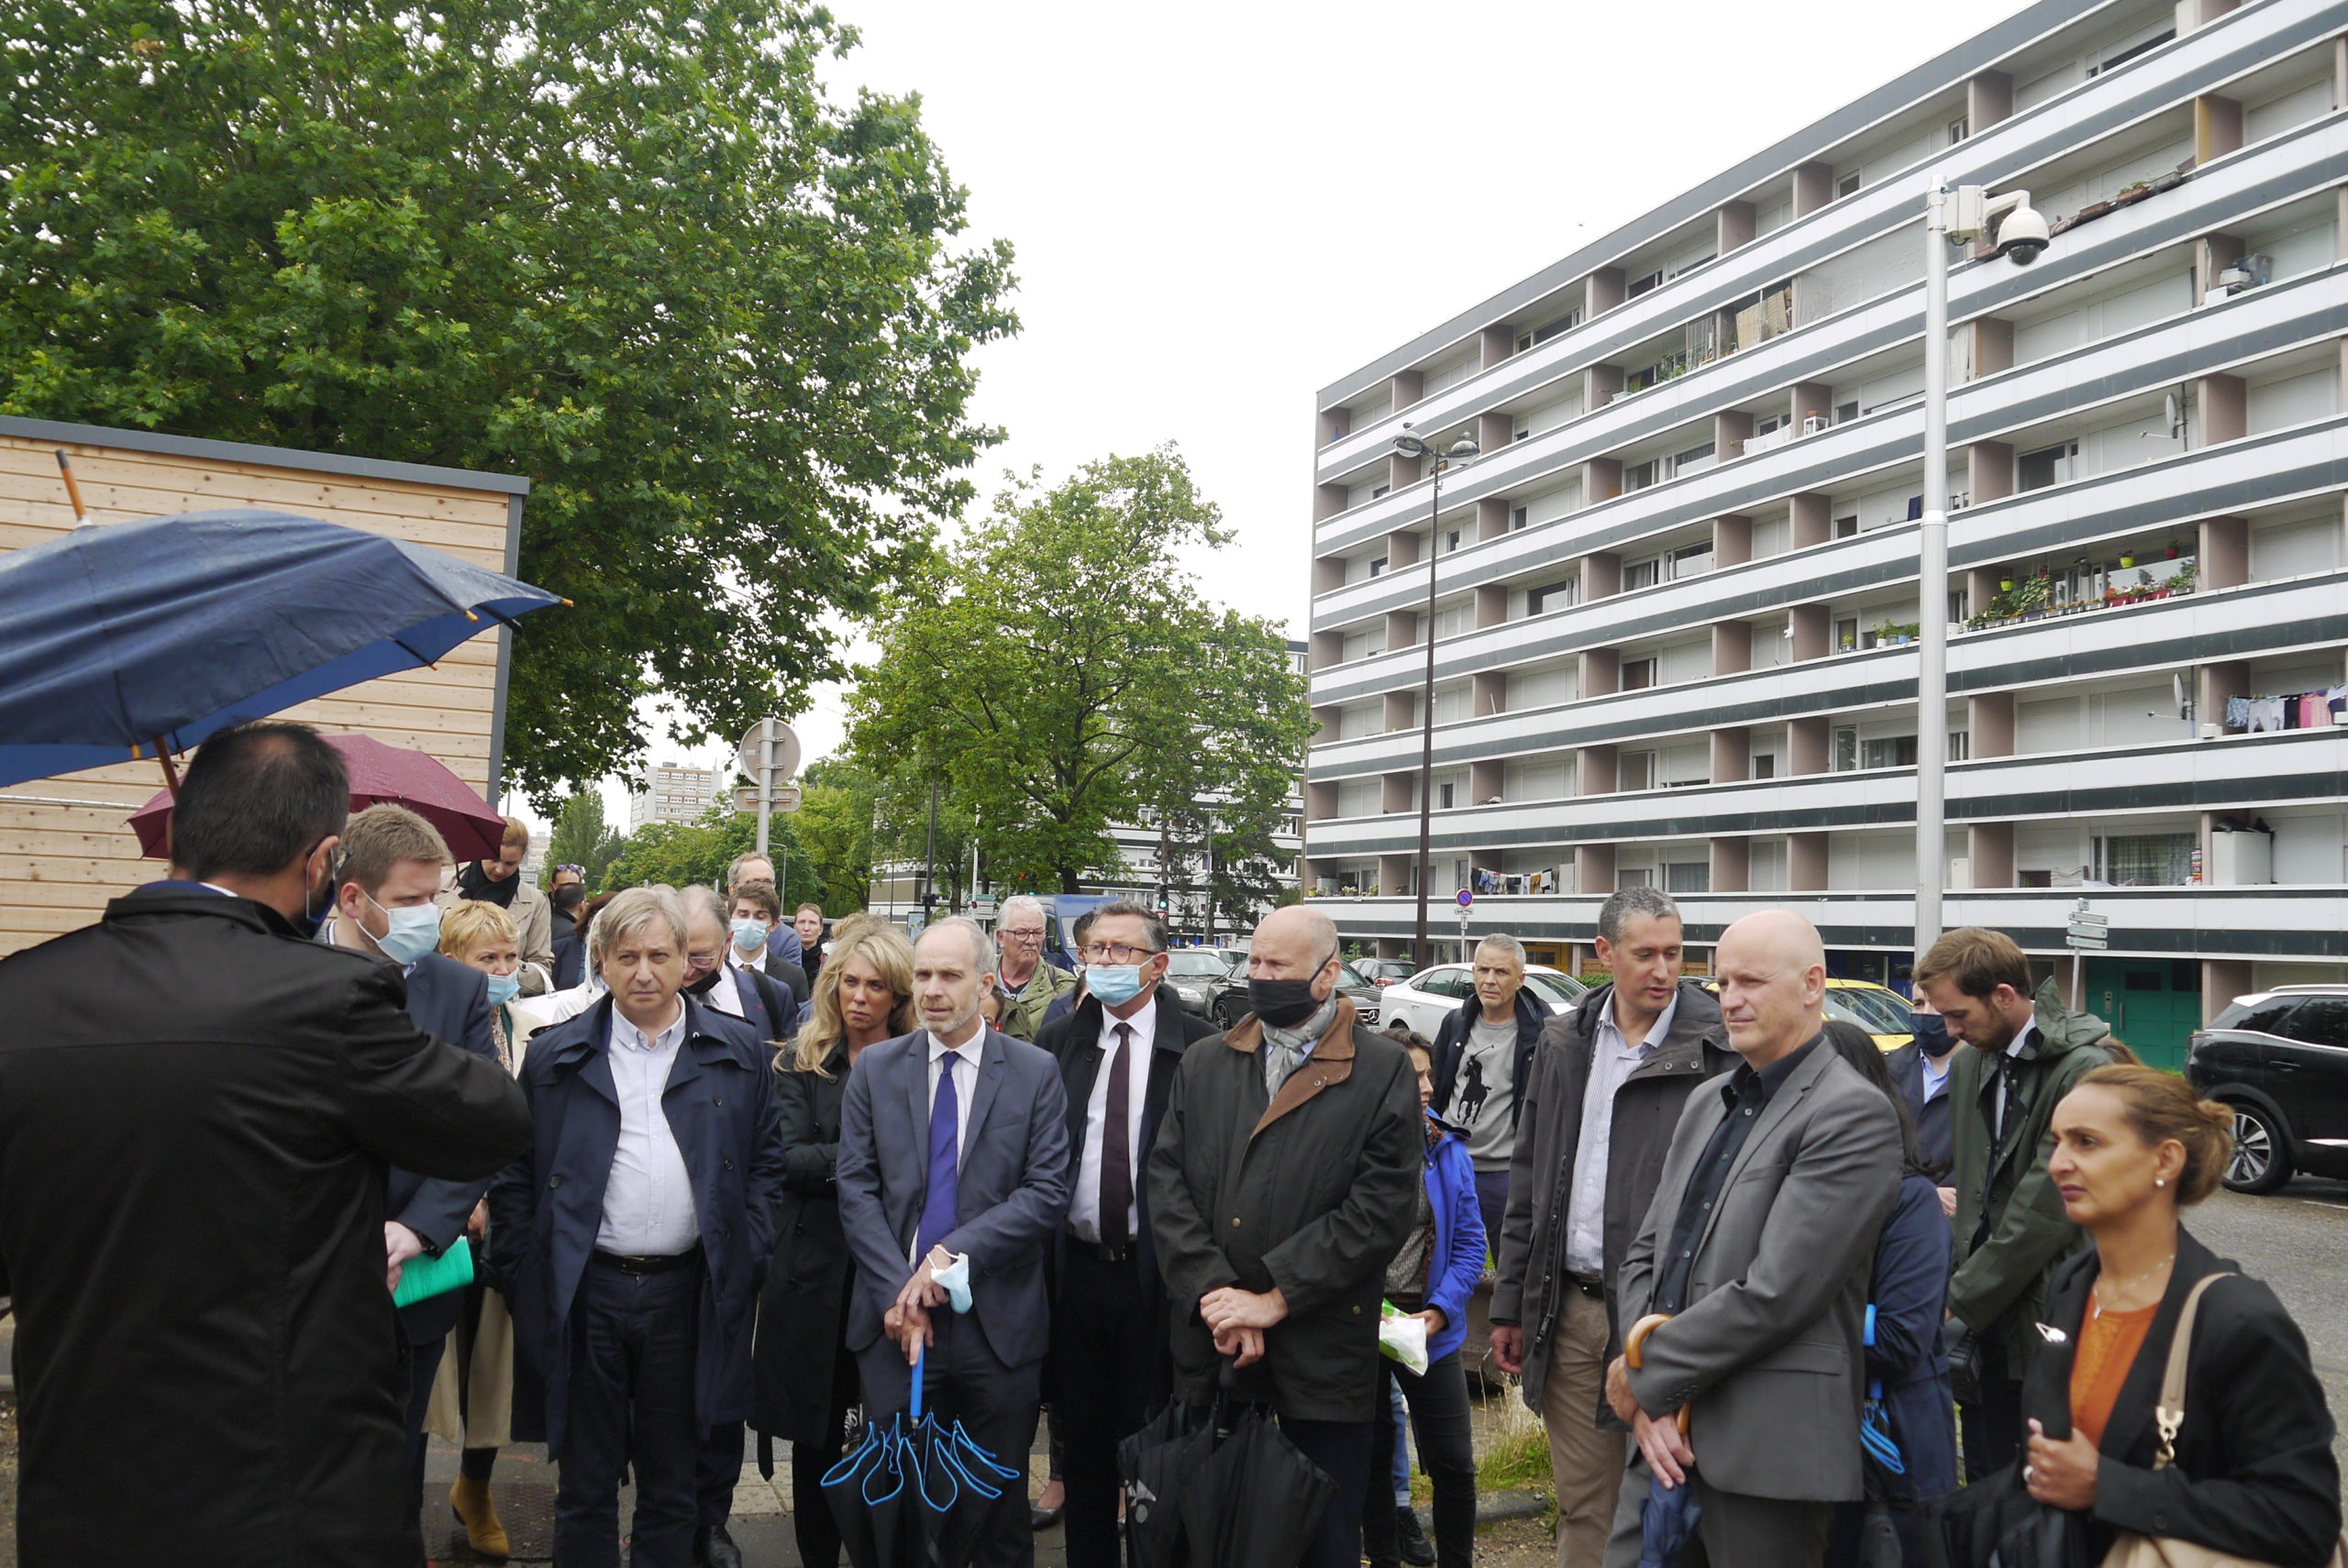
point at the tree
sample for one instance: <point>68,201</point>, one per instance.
<point>834,828</point>
<point>635,253</point>
<point>680,853</point>
<point>582,838</point>
<point>1058,672</point>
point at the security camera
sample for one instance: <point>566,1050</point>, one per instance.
<point>2023,237</point>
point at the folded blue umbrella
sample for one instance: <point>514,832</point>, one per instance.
<point>123,638</point>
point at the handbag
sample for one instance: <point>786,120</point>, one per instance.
<point>2130,1549</point>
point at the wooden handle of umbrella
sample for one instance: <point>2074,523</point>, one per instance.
<point>1635,1341</point>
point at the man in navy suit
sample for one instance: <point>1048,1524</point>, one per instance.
<point>384,905</point>
<point>953,1147</point>
<point>632,1233</point>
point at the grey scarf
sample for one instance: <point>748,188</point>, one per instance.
<point>1284,1049</point>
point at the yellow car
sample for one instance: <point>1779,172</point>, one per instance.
<point>1881,1012</point>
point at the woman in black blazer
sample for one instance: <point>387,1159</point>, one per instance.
<point>806,1378</point>
<point>2254,1473</point>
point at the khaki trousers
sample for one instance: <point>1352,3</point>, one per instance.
<point>1586,1461</point>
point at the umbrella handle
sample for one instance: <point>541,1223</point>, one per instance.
<point>1634,1342</point>
<point>919,1350</point>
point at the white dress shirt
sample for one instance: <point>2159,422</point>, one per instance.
<point>1084,1207</point>
<point>964,1060</point>
<point>724,997</point>
<point>649,1201</point>
<point>1612,1059</point>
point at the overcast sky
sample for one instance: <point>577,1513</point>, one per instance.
<point>1221,207</point>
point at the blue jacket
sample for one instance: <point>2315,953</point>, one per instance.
<point>1910,1289</point>
<point>1457,1264</point>
<point>547,1207</point>
<point>449,1001</point>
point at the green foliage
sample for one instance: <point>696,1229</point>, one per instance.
<point>833,827</point>
<point>1057,673</point>
<point>721,321</point>
<point>582,838</point>
<point>682,852</point>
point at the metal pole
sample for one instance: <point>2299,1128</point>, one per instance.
<point>1426,949</point>
<point>1932,584</point>
<point>929,851</point>
<point>766,788</point>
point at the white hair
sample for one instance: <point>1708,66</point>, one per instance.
<point>1019,903</point>
<point>1500,941</point>
<point>632,911</point>
<point>981,946</point>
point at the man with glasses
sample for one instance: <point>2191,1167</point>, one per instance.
<point>1029,983</point>
<point>1118,1051</point>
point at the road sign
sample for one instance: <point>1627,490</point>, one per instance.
<point>752,757</point>
<point>1467,897</point>
<point>2088,931</point>
<point>786,798</point>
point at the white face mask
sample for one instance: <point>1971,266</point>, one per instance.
<point>412,933</point>
<point>750,934</point>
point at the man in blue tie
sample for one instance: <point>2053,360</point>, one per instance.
<point>954,1146</point>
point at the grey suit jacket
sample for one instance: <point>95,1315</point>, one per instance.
<point>1010,1195</point>
<point>1768,1347</point>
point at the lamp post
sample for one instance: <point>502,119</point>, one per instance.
<point>1953,215</point>
<point>1464,448</point>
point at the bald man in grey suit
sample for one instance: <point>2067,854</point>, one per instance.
<point>1745,1293</point>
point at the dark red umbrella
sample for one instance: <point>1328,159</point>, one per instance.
<point>377,773</point>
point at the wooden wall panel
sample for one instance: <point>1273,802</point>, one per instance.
<point>66,847</point>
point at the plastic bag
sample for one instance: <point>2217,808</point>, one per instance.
<point>1402,1337</point>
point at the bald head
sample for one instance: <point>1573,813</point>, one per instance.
<point>1772,970</point>
<point>1296,943</point>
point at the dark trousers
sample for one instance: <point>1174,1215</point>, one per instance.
<point>1991,1423</point>
<point>996,1404</point>
<point>718,1470</point>
<point>423,1366</point>
<point>1438,1403</point>
<point>1342,1450</point>
<point>1492,1205</point>
<point>811,1512</point>
<point>633,1344</point>
<point>1108,1374</point>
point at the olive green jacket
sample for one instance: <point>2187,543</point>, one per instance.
<point>1022,1016</point>
<point>2000,1286</point>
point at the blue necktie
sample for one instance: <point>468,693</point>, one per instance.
<point>937,1209</point>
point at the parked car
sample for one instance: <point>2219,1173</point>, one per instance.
<point>1426,997</point>
<point>1883,1012</point>
<point>1229,1003</point>
<point>2279,1059</point>
<point>1191,974</point>
<point>1382,971</point>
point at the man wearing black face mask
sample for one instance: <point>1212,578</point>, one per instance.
<point>1920,1071</point>
<point>191,1192</point>
<point>1284,1178</point>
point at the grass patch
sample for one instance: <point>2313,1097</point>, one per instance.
<point>1515,1456</point>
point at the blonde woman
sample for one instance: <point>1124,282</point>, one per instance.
<point>806,1375</point>
<point>472,1396</point>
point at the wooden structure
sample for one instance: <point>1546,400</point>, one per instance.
<point>64,845</point>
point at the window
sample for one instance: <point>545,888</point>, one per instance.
<point>1638,476</point>
<point>1542,334</point>
<point>1848,185</point>
<point>1638,674</point>
<point>1641,285</point>
<point>2057,464</point>
<point>1765,765</point>
<point>1846,634</point>
<point>1636,771</point>
<point>1891,751</point>
<point>1692,459</point>
<point>1960,745</point>
<point>1515,519</point>
<point>1688,876</point>
<point>1551,596</point>
<point>2258,1017</point>
<point>1450,540</point>
<point>1376,491</point>
<point>1690,560</point>
<point>1846,528</point>
<point>1443,796</point>
<point>1633,877</point>
<point>1774,422</point>
<point>1846,750</point>
<point>1959,128</point>
<point>2145,860</point>
<point>1959,601</point>
<point>1643,574</point>
<point>2320,1021</point>
<point>1377,566</point>
<point>1846,411</point>
<point>2123,55</point>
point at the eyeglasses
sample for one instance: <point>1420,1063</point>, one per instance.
<point>1117,953</point>
<point>581,870</point>
<point>1036,934</point>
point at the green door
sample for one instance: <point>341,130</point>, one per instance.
<point>2154,1004</point>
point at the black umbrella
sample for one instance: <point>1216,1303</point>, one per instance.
<point>876,1502</point>
<point>1152,1463</point>
<point>1255,1501</point>
<point>915,1492</point>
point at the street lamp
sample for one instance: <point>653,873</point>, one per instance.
<point>1962,215</point>
<point>1465,448</point>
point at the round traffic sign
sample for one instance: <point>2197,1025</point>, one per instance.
<point>1467,897</point>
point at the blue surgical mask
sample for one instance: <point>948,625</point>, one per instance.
<point>750,934</point>
<point>412,933</point>
<point>503,989</point>
<point>1115,984</point>
<point>1932,1032</point>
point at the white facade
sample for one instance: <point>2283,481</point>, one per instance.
<point>672,793</point>
<point>1675,594</point>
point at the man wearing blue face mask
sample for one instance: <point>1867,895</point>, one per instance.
<point>1118,1050</point>
<point>384,905</point>
<point>1920,1071</point>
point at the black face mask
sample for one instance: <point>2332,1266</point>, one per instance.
<point>317,905</point>
<point>707,983</point>
<point>1286,1003</point>
<point>1932,1033</point>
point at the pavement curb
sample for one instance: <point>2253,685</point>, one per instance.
<point>1498,1507</point>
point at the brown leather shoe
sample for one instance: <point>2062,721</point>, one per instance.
<point>471,1501</point>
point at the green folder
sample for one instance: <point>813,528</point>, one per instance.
<point>424,1278</point>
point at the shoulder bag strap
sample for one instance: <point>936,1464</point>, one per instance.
<point>2169,1414</point>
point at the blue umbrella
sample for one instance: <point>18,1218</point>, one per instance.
<point>122,638</point>
<point>1667,1515</point>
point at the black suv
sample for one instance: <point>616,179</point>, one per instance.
<point>2280,1059</point>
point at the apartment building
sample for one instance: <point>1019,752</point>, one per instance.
<point>672,793</point>
<point>1676,595</point>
